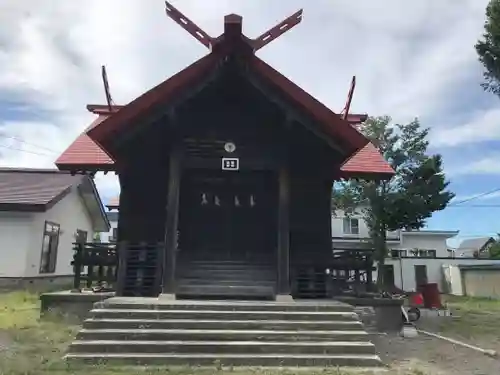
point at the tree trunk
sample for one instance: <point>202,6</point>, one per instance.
<point>380,255</point>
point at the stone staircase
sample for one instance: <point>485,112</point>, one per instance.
<point>233,279</point>
<point>206,333</point>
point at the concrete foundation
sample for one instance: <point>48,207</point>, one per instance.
<point>74,304</point>
<point>284,298</point>
<point>377,314</point>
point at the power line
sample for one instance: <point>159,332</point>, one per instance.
<point>476,206</point>
<point>29,152</point>
<point>27,143</point>
<point>474,197</point>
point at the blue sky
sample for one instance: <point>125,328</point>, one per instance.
<point>411,60</point>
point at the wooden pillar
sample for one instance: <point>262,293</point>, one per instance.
<point>283,285</point>
<point>169,260</point>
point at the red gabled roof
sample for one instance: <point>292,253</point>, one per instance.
<point>166,90</point>
<point>366,161</point>
<point>113,203</point>
<point>331,123</point>
<point>90,148</point>
<point>85,152</point>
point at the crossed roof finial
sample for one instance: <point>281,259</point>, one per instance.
<point>209,41</point>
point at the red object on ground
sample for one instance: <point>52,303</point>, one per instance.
<point>416,300</point>
<point>432,297</point>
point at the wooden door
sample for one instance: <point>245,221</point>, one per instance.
<point>227,215</point>
<point>388,275</point>
<point>420,275</point>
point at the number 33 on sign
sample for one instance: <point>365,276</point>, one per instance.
<point>230,164</point>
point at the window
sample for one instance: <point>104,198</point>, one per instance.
<point>427,253</point>
<point>114,235</point>
<point>420,253</point>
<point>81,236</point>
<point>351,226</point>
<point>50,244</point>
<point>398,253</point>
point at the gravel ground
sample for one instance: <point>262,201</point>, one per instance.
<point>433,356</point>
<point>5,341</point>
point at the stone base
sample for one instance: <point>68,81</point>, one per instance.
<point>284,298</point>
<point>377,314</point>
<point>71,304</point>
<point>37,283</point>
<point>167,297</point>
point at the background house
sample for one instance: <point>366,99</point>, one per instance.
<point>112,215</point>
<point>41,212</point>
<point>474,280</point>
<point>471,247</point>
<point>415,257</point>
<point>111,235</point>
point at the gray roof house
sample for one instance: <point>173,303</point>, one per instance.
<point>41,213</point>
<point>471,245</point>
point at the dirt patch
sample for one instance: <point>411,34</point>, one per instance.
<point>433,356</point>
<point>5,341</point>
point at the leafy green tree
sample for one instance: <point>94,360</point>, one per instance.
<point>494,249</point>
<point>488,48</point>
<point>418,188</point>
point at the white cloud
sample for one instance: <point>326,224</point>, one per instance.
<point>485,166</point>
<point>405,55</point>
<point>483,126</point>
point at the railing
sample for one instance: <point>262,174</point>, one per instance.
<point>351,271</point>
<point>140,268</point>
<point>348,271</point>
<point>95,265</point>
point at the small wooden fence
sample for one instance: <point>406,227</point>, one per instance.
<point>95,265</point>
<point>349,270</point>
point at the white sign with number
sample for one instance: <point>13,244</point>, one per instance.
<point>230,164</point>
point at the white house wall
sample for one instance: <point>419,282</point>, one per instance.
<point>435,274</point>
<point>338,225</point>
<point>425,240</point>
<point>71,214</point>
<point>105,236</point>
<point>14,242</point>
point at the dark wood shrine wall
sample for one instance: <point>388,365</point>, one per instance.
<point>143,175</point>
<point>265,135</point>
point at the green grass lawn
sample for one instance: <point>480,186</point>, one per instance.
<point>32,346</point>
<point>477,320</point>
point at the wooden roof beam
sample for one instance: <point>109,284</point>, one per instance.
<point>277,30</point>
<point>188,25</point>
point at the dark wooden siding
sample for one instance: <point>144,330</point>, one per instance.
<point>310,235</point>
<point>266,136</point>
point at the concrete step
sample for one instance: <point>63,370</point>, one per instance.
<point>220,335</point>
<point>228,263</point>
<point>224,305</point>
<point>242,291</point>
<point>196,359</point>
<point>226,275</point>
<point>226,347</point>
<point>195,281</point>
<point>244,267</point>
<point>282,325</point>
<point>224,315</point>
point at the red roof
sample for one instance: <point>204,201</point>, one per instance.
<point>88,149</point>
<point>113,203</point>
<point>366,161</point>
<point>85,152</point>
